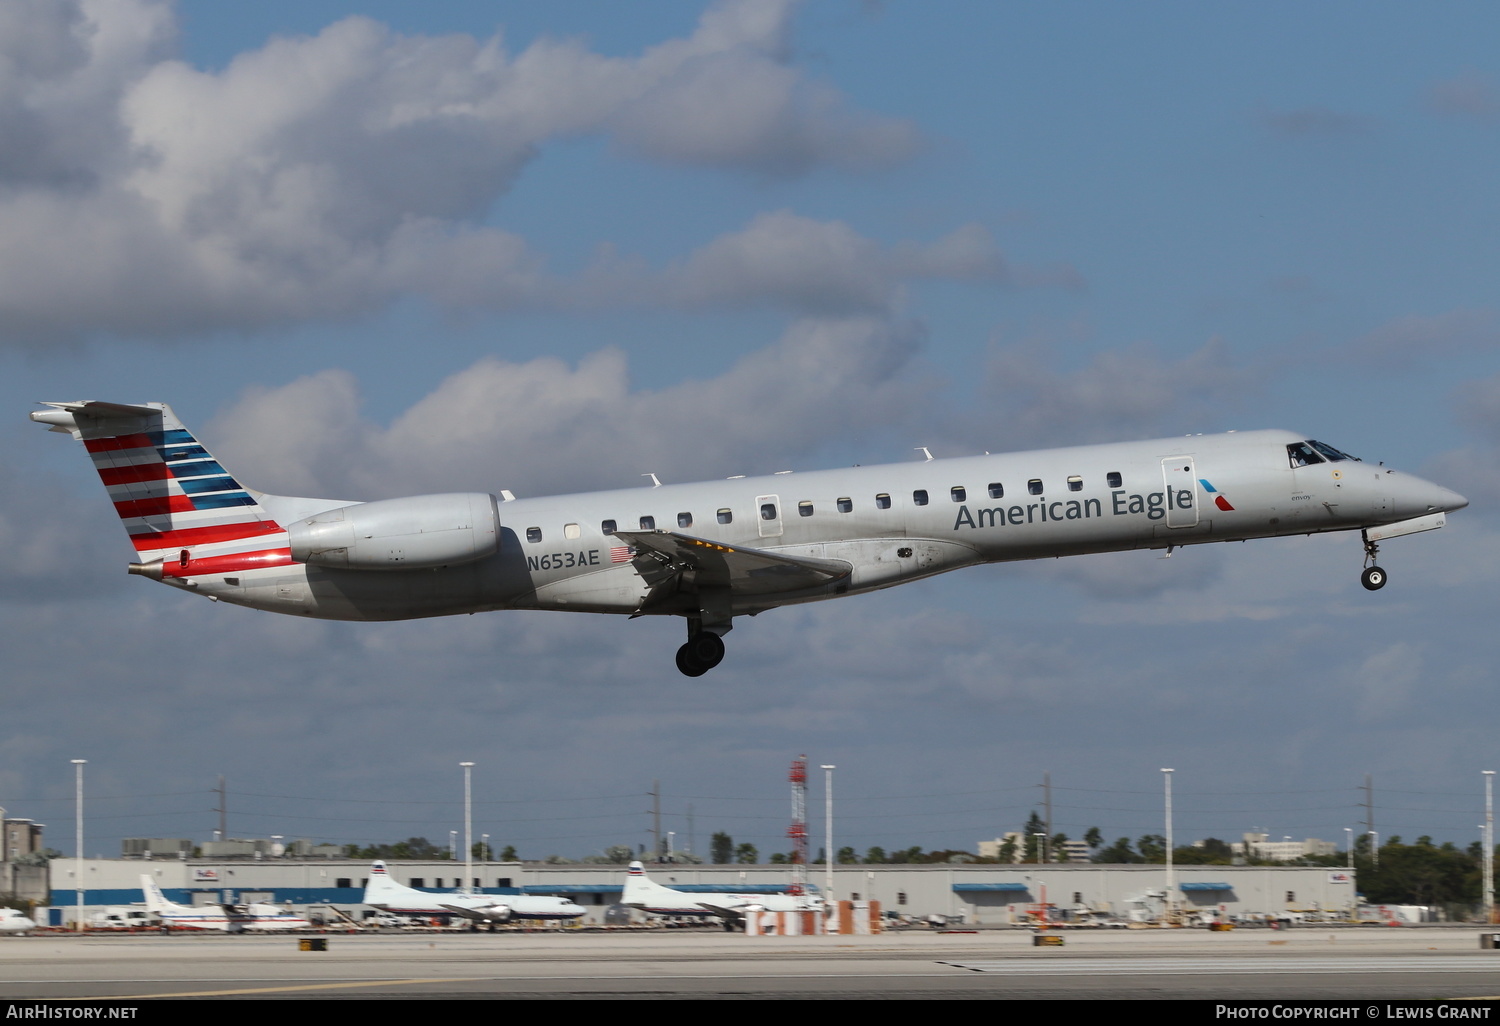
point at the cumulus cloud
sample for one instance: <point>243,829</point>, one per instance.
<point>1384,682</point>
<point>322,176</point>
<point>1312,123</point>
<point>1419,336</point>
<point>54,544</point>
<point>1025,400</point>
<point>1469,94</point>
<point>780,259</point>
<point>1474,469</point>
<point>544,426</point>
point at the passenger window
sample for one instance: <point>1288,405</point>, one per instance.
<point>997,490</point>
<point>883,501</point>
<point>1034,486</point>
<point>919,497</point>
<point>572,531</point>
<point>804,509</point>
<point>533,534</point>
<point>684,520</point>
<point>768,511</point>
<point>726,516</point>
<point>607,526</point>
<point>959,493</point>
<point>1075,483</point>
<point>648,523</point>
<point>846,505</point>
<point>1114,479</point>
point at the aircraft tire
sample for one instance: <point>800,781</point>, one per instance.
<point>706,649</point>
<point>689,666</point>
<point>1373,578</point>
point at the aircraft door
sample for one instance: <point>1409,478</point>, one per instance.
<point>768,515</point>
<point>1180,484</point>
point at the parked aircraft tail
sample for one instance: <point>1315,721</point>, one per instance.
<point>381,888</point>
<point>185,514</point>
<point>156,902</point>
<point>641,889</point>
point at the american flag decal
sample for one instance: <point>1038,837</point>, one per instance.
<point>621,553</point>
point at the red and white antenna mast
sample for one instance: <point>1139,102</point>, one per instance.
<point>798,830</point>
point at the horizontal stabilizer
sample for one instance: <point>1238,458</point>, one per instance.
<point>94,408</point>
<point>661,555</point>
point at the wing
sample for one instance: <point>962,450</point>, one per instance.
<point>727,911</point>
<point>462,910</point>
<point>670,563</point>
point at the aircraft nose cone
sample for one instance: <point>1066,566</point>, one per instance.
<point>1415,497</point>
<point>1449,500</point>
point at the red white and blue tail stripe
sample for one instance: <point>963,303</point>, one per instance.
<point>186,515</point>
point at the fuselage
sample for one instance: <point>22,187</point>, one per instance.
<point>890,524</point>
<point>215,917</point>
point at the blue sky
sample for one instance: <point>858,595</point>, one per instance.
<point>371,249</point>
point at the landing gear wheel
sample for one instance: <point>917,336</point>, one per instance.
<point>702,653</point>
<point>707,649</point>
<point>1373,578</point>
<point>688,665</point>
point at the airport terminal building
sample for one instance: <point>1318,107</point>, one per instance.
<point>987,895</point>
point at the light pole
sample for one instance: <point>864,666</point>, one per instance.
<point>1171,883</point>
<point>468,828</point>
<point>78,765</point>
<point>828,836</point>
<point>1489,846</point>
<point>1353,890</point>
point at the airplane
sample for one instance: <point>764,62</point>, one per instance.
<point>649,896</point>
<point>710,552</point>
<point>224,917</point>
<point>15,921</point>
<point>384,893</point>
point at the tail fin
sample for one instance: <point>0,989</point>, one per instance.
<point>185,514</point>
<point>156,902</point>
<point>382,888</point>
<point>640,888</point>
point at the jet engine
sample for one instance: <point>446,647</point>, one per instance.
<point>415,533</point>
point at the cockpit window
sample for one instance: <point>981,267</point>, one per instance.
<point>1331,453</point>
<point>1302,454</point>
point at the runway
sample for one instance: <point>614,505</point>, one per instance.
<point>1351,964</point>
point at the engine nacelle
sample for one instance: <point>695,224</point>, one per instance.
<point>415,533</point>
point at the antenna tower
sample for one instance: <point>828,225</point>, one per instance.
<point>798,830</point>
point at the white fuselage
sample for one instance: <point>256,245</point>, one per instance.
<point>890,524</point>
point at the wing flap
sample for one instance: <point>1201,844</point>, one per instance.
<point>662,556</point>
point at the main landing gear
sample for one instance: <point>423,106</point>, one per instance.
<point>703,651</point>
<point>1374,577</point>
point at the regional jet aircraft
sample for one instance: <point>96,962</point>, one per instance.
<point>384,893</point>
<point>649,896</point>
<point>224,917</point>
<point>713,551</point>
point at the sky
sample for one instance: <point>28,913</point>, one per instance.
<point>369,249</point>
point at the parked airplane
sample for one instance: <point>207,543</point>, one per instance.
<point>384,893</point>
<point>225,917</point>
<point>15,921</point>
<point>649,896</point>
<point>710,552</point>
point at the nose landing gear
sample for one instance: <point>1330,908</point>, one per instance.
<point>1373,577</point>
